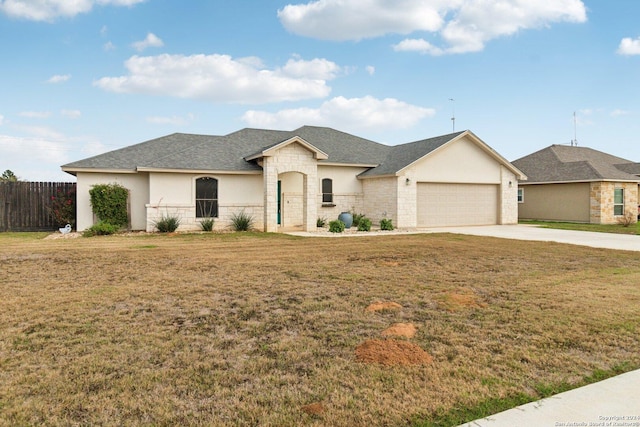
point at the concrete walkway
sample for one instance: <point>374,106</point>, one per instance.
<point>625,242</point>
<point>614,402</point>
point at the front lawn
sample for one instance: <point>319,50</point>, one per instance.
<point>599,228</point>
<point>265,329</point>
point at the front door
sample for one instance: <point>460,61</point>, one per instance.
<point>279,202</point>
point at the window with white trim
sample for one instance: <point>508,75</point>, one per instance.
<point>327,190</point>
<point>618,201</point>
<point>520,195</point>
<point>206,197</point>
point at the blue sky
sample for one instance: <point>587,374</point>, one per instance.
<point>85,77</point>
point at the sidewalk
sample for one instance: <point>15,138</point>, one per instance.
<point>614,402</point>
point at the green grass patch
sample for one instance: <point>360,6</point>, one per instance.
<point>491,406</point>
<point>597,228</point>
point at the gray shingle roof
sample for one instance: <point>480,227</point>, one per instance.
<point>563,163</point>
<point>181,151</point>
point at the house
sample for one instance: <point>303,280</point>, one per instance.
<point>577,184</point>
<point>289,179</point>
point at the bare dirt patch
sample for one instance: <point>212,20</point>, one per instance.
<point>407,330</point>
<point>458,301</point>
<point>316,408</point>
<point>383,305</point>
<point>392,352</point>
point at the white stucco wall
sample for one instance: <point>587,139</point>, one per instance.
<point>347,190</point>
<point>462,162</point>
<point>137,184</point>
<point>175,194</point>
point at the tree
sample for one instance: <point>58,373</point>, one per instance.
<point>8,176</point>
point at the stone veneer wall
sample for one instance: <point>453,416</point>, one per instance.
<point>380,199</point>
<point>189,222</point>
<point>290,158</point>
<point>601,198</point>
<point>341,203</point>
<point>508,200</point>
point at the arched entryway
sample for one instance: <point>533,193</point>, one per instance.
<point>291,201</point>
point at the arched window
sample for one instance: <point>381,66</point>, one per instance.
<point>327,190</point>
<point>206,197</point>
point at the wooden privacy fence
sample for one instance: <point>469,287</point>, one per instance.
<point>26,206</point>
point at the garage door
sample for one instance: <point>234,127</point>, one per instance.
<point>457,204</point>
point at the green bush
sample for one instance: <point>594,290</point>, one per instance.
<point>241,221</point>
<point>109,203</point>
<point>321,222</point>
<point>63,207</point>
<point>386,224</point>
<point>207,224</point>
<point>364,224</point>
<point>102,228</point>
<point>336,226</point>
<point>167,224</point>
<point>357,217</point>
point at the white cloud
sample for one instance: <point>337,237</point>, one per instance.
<point>108,46</point>
<point>71,114</point>
<point>49,10</point>
<point>221,78</point>
<point>370,69</point>
<point>150,41</point>
<point>343,113</point>
<point>462,25</point>
<point>418,45</point>
<point>629,46</point>
<point>359,19</point>
<point>618,112</point>
<point>49,151</point>
<point>173,120</point>
<point>36,114</point>
<point>1,119</point>
<point>59,78</point>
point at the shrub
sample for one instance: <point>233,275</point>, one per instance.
<point>167,224</point>
<point>386,224</point>
<point>357,217</point>
<point>109,203</point>
<point>101,228</point>
<point>336,226</point>
<point>626,220</point>
<point>364,224</point>
<point>241,221</point>
<point>207,224</point>
<point>321,222</point>
<point>63,207</point>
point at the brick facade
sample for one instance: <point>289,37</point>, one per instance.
<point>602,197</point>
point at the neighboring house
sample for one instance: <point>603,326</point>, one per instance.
<point>578,184</point>
<point>289,179</point>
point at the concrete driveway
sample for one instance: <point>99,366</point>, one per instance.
<point>625,242</point>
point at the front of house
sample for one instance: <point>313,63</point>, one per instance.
<point>288,179</point>
<point>578,184</point>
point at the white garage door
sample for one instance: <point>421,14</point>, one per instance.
<point>457,204</point>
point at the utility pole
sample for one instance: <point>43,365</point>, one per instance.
<point>453,114</point>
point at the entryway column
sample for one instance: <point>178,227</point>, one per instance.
<point>270,180</point>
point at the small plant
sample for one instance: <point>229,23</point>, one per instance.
<point>364,224</point>
<point>101,228</point>
<point>626,220</point>
<point>321,222</point>
<point>241,221</point>
<point>357,217</point>
<point>167,224</point>
<point>207,224</point>
<point>63,207</point>
<point>336,226</point>
<point>386,224</point>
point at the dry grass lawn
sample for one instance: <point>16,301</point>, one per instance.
<point>243,329</point>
